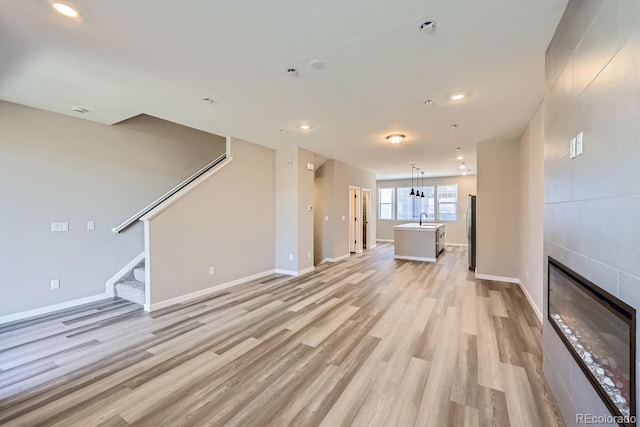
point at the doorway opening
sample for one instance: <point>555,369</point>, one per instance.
<point>366,213</point>
<point>355,223</point>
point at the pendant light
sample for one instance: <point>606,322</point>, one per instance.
<point>417,182</point>
<point>422,185</point>
<point>413,193</point>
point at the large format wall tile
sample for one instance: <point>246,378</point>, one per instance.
<point>592,202</point>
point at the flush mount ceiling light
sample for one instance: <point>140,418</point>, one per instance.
<point>457,96</point>
<point>80,110</point>
<point>65,10</point>
<point>396,138</point>
<point>305,127</point>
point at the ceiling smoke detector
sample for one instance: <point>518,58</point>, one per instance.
<point>454,126</point>
<point>429,102</point>
<point>292,72</point>
<point>208,100</point>
<point>317,64</point>
<point>428,27</point>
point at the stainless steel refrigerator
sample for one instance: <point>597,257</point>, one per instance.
<point>471,231</point>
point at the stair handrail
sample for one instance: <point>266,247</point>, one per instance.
<point>206,168</point>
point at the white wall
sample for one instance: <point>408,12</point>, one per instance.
<point>532,207</point>
<point>294,222</point>
<point>227,222</point>
<point>286,206</point>
<point>498,209</point>
<point>60,168</point>
<point>456,231</point>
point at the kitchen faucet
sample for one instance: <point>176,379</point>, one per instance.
<point>426,216</point>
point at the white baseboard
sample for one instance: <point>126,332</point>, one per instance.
<point>372,246</point>
<point>385,240</point>
<point>340,258</point>
<point>531,303</point>
<point>109,289</point>
<point>295,273</point>
<point>497,278</point>
<point>457,244</point>
<point>204,292</point>
<point>50,308</point>
<point>415,258</point>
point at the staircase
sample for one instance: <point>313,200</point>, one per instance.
<point>132,285</point>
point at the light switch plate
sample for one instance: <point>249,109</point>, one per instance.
<point>212,271</point>
<point>290,257</point>
<point>572,148</point>
<point>326,217</point>
<point>55,284</point>
<point>91,225</point>
<point>343,217</point>
<point>579,143</point>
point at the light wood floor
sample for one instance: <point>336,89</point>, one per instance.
<point>367,341</point>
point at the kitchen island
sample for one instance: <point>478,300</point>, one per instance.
<point>418,242</point>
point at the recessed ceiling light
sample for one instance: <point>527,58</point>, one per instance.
<point>283,130</point>
<point>457,96</point>
<point>464,174</point>
<point>208,100</point>
<point>305,127</point>
<point>459,157</point>
<point>427,26</point>
<point>454,126</point>
<point>462,166</point>
<point>80,110</point>
<point>396,138</point>
<point>65,9</point>
<point>429,102</point>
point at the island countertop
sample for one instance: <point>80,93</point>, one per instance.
<point>413,226</point>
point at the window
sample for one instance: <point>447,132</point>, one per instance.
<point>410,207</point>
<point>440,203</point>
<point>387,199</point>
<point>447,202</point>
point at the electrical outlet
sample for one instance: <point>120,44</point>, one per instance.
<point>344,245</point>
<point>344,217</point>
<point>326,218</point>
<point>55,284</point>
<point>309,255</point>
<point>91,225</point>
<point>212,271</point>
<point>59,226</point>
<point>290,257</point>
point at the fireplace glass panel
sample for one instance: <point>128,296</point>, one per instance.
<point>598,330</point>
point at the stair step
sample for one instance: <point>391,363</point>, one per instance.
<point>139,274</point>
<point>132,290</point>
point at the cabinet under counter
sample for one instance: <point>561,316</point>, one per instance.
<point>418,242</point>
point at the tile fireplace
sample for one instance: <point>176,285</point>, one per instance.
<point>599,330</point>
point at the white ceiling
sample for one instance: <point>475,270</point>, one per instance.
<point>162,57</point>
